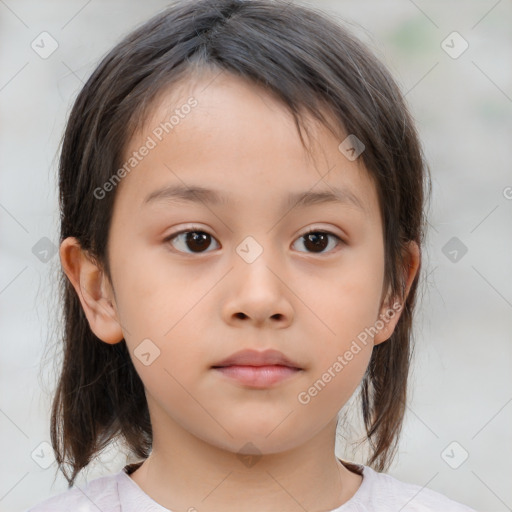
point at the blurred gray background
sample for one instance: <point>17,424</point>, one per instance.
<point>457,437</point>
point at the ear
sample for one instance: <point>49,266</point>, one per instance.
<point>93,289</point>
<point>391,310</point>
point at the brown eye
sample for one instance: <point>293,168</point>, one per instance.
<point>198,241</point>
<point>194,240</point>
<point>318,241</point>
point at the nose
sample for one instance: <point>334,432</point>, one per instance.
<point>258,295</point>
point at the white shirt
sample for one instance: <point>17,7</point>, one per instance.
<point>378,492</point>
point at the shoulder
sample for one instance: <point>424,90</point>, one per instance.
<point>98,494</point>
<point>382,492</point>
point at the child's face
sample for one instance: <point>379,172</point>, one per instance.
<point>201,301</point>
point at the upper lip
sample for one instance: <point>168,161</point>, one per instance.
<point>257,358</point>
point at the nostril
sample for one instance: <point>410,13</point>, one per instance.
<point>241,315</point>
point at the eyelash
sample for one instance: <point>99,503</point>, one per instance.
<point>197,229</point>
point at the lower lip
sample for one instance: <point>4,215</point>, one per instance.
<point>258,376</point>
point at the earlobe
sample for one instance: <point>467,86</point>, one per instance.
<point>387,321</point>
<point>390,312</point>
<point>93,290</point>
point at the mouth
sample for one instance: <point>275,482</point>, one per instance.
<point>258,369</point>
<point>258,376</point>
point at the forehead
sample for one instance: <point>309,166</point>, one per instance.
<point>218,131</point>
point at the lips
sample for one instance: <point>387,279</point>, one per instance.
<point>258,370</point>
<point>257,358</point>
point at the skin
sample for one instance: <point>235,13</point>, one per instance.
<point>309,305</point>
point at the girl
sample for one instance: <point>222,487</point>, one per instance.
<point>242,215</point>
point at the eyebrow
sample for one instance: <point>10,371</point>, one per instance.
<point>199,194</point>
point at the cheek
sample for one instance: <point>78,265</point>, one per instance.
<point>153,296</point>
<point>159,308</point>
<point>170,360</point>
<point>345,300</point>
<point>333,383</point>
<point>344,311</point>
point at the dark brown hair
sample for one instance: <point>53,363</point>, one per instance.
<point>313,66</point>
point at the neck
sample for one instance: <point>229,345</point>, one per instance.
<point>191,474</point>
